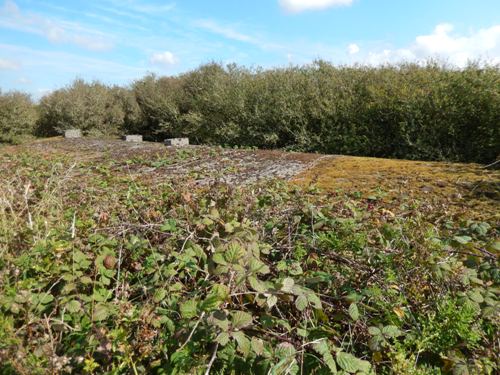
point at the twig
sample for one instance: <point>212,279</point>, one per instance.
<point>490,166</point>
<point>26,193</point>
<point>192,331</point>
<point>186,240</point>
<point>118,272</point>
<point>73,226</point>
<point>212,359</point>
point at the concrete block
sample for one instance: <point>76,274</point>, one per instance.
<point>177,142</point>
<point>73,133</point>
<point>133,138</point>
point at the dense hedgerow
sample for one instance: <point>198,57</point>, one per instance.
<point>18,116</point>
<point>402,111</point>
<point>94,108</point>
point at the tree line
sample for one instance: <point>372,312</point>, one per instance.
<point>411,111</point>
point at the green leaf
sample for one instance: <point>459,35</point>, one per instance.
<point>85,280</point>
<point>219,319</point>
<point>234,253</point>
<point>257,285</point>
<point>314,300</point>
<point>348,362</point>
<point>228,228</point>
<point>243,342</point>
<point>222,338</point>
<point>159,295</point>
<point>364,367</point>
<point>285,350</point>
<point>218,258</point>
<point>168,323</point>
<point>495,246</point>
<point>241,319</point>
<point>210,303</point>
<point>301,302</point>
<point>45,298</point>
<point>189,309</point>
<point>323,349</point>
<point>288,284</point>
<point>101,312</point>
<point>374,331</point>
<point>272,300</point>
<point>462,240</point>
<point>257,345</point>
<point>81,260</point>
<point>391,331</point>
<point>170,225</point>
<point>73,306</point>
<point>353,311</point>
<point>476,296</point>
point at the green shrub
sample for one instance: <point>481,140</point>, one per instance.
<point>18,116</point>
<point>94,108</point>
<point>403,111</point>
<point>158,100</point>
<point>431,112</point>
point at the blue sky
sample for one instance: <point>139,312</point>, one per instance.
<point>46,44</point>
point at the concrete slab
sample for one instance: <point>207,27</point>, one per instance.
<point>177,142</point>
<point>73,133</point>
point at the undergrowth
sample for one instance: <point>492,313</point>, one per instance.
<point>101,272</point>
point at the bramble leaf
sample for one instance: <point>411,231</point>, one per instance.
<point>241,319</point>
<point>353,311</point>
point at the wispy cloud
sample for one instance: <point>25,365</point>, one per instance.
<point>24,81</point>
<point>6,64</point>
<point>151,8</point>
<point>226,31</point>
<point>135,9</point>
<point>229,32</point>
<point>296,6</point>
<point>73,64</point>
<point>56,31</point>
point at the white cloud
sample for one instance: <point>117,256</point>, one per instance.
<point>72,64</point>
<point>24,81</point>
<point>131,8</point>
<point>229,32</point>
<point>8,64</point>
<point>225,31</point>
<point>56,31</point>
<point>296,6</point>
<point>445,45</point>
<point>353,49</point>
<point>166,58</point>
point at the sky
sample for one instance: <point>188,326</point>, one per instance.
<point>44,45</point>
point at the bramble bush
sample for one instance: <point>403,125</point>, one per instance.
<point>102,272</point>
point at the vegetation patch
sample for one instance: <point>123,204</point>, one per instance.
<point>102,271</point>
<point>462,191</point>
<point>406,111</point>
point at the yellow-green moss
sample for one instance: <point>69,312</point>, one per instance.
<point>465,189</point>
